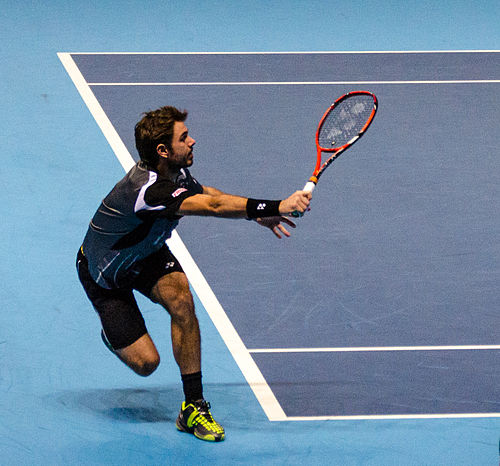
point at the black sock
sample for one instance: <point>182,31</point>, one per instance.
<point>193,389</point>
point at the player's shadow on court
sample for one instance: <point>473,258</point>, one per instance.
<point>154,404</point>
<point>126,405</point>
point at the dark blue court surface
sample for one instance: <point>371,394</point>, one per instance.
<point>398,262</point>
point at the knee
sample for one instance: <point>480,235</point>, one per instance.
<point>182,307</point>
<point>173,293</point>
<point>146,366</point>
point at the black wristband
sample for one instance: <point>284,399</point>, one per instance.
<point>262,208</point>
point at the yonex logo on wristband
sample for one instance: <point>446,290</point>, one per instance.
<point>257,208</point>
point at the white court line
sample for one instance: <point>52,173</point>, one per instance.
<point>97,112</point>
<point>383,348</point>
<point>240,353</point>
<point>326,52</point>
<point>252,374</point>
<point>296,83</point>
<point>385,417</point>
<point>375,348</point>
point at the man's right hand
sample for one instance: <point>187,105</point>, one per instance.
<point>298,202</point>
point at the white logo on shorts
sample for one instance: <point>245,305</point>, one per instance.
<point>169,265</point>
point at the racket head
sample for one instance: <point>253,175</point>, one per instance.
<point>345,121</point>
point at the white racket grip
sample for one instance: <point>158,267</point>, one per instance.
<point>309,187</point>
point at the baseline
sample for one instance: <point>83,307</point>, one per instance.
<point>374,348</point>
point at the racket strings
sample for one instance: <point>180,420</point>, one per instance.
<point>345,121</point>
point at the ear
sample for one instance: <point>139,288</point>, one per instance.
<point>162,150</point>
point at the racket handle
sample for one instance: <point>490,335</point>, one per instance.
<point>309,187</point>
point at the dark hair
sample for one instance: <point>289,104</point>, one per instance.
<point>156,127</point>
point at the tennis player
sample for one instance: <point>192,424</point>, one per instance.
<point>124,250</point>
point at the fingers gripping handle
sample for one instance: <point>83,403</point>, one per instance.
<point>309,187</point>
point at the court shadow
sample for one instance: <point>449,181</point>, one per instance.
<point>131,405</point>
<point>153,404</point>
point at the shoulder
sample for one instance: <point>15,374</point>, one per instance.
<point>136,177</point>
<point>162,191</point>
<point>187,181</point>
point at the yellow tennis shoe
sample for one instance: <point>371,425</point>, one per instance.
<point>196,418</point>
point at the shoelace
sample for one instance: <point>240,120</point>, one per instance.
<point>203,408</point>
<point>204,417</point>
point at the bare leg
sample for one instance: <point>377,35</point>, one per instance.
<point>173,293</point>
<point>141,356</point>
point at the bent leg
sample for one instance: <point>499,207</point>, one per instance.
<point>141,356</point>
<point>125,330</point>
<point>122,322</point>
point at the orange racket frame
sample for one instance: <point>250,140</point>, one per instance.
<point>336,151</point>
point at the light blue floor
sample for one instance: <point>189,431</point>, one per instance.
<point>63,399</point>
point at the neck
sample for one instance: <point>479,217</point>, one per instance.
<point>164,169</point>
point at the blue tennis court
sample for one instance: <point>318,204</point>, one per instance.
<point>394,318</point>
<point>369,337</point>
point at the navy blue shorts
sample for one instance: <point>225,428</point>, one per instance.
<point>117,308</point>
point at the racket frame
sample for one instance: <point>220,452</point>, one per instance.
<point>336,151</point>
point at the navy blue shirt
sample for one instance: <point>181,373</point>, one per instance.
<point>133,221</point>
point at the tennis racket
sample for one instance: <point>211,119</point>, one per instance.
<point>345,121</point>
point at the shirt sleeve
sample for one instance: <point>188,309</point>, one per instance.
<point>164,197</point>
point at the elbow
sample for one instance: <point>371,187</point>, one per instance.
<point>216,207</point>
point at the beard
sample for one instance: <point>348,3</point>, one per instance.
<point>181,162</point>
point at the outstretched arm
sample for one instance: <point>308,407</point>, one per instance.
<point>214,203</point>
<point>275,224</point>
